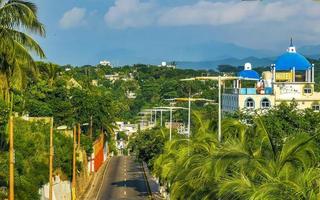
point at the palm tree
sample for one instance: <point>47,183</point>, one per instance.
<point>17,16</point>
<point>260,170</point>
<point>49,71</point>
<point>246,165</point>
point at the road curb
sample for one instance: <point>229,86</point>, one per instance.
<point>146,181</point>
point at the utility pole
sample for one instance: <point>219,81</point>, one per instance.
<point>51,160</point>
<point>11,159</point>
<point>74,164</point>
<point>79,133</point>
<point>91,127</point>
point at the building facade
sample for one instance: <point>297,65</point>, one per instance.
<point>291,78</point>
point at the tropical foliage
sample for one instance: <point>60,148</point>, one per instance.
<point>274,156</point>
<point>32,142</point>
<point>15,45</point>
<point>247,164</point>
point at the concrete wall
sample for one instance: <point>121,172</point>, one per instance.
<point>61,190</point>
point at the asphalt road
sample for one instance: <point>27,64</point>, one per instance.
<point>123,179</point>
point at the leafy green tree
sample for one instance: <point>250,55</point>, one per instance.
<point>122,136</point>
<point>32,158</point>
<point>49,71</point>
<point>148,145</point>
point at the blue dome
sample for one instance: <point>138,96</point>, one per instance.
<point>292,59</point>
<point>249,74</point>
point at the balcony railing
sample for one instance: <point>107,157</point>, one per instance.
<point>249,91</point>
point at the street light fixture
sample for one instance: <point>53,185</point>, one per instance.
<point>161,112</point>
<point>220,79</point>
<point>189,100</point>
<point>171,109</point>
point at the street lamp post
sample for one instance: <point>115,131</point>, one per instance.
<point>220,79</point>
<point>170,124</point>
<point>189,100</point>
<point>155,117</point>
<point>156,110</point>
<point>189,116</point>
<point>161,118</point>
<point>171,109</point>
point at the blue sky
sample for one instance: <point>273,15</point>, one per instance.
<point>127,31</point>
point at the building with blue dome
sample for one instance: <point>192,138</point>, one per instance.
<point>291,78</point>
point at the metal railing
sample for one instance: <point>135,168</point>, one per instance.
<point>248,91</point>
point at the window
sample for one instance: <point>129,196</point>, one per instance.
<point>265,103</point>
<point>307,90</point>
<point>316,107</point>
<point>249,103</point>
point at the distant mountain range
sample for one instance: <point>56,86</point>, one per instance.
<point>200,56</point>
<point>311,51</point>
<point>257,62</point>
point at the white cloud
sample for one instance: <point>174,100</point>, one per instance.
<point>207,13</point>
<point>135,13</point>
<point>250,23</point>
<point>73,18</point>
<point>130,13</point>
<point>236,11</point>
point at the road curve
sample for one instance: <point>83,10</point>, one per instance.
<point>123,179</point>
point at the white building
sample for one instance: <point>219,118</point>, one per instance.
<point>127,128</point>
<point>112,77</point>
<point>291,78</point>
<point>131,95</point>
<point>105,63</point>
<point>168,65</point>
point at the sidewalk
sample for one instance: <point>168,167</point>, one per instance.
<point>154,185</point>
<point>93,189</point>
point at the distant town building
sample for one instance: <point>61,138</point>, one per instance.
<point>94,82</point>
<point>105,63</point>
<point>112,77</point>
<point>72,83</point>
<point>131,95</point>
<point>291,78</point>
<point>179,126</point>
<point>169,65</point>
<point>126,127</point>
